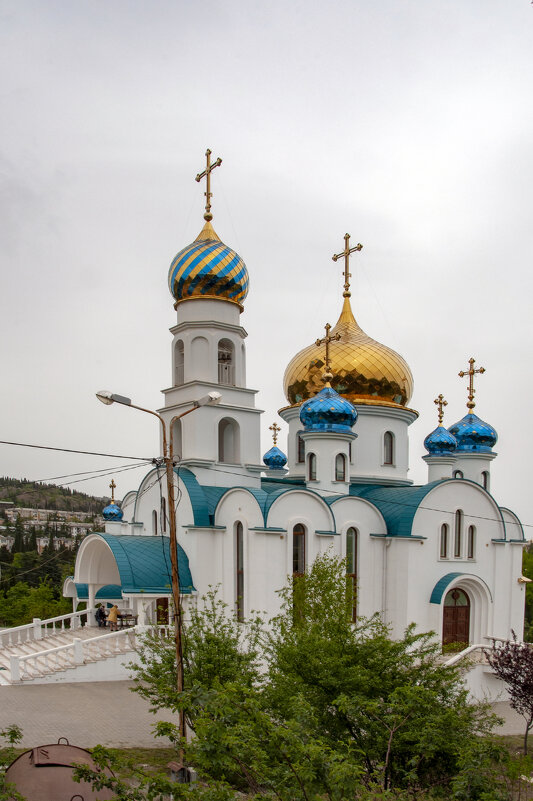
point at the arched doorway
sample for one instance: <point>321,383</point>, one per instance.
<point>456,617</point>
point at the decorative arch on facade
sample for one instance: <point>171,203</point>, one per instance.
<point>200,358</point>
<point>479,597</point>
<point>229,445</point>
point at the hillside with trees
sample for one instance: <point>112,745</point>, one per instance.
<point>36,495</point>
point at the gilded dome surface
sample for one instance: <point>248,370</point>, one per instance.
<point>364,371</point>
<point>207,268</point>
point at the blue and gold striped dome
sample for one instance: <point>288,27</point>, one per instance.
<point>208,268</point>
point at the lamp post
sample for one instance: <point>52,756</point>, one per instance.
<point>168,457</point>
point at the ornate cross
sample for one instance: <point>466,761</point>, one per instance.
<point>471,373</point>
<point>327,375</point>
<point>441,403</point>
<point>207,174</point>
<point>112,487</point>
<point>275,431</point>
<point>346,253</point>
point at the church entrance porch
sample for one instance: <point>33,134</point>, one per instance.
<point>456,617</point>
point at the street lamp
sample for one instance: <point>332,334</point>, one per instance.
<point>210,399</point>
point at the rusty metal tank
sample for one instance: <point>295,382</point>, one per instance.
<point>45,773</point>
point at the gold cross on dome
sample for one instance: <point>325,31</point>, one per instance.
<point>327,374</point>
<point>346,253</point>
<point>112,487</point>
<point>441,403</point>
<point>207,174</point>
<point>275,431</point>
<point>471,373</point>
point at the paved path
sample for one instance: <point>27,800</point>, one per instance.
<point>87,714</point>
<point>107,712</point>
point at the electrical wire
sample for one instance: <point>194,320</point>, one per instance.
<point>72,450</point>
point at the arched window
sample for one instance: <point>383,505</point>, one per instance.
<point>226,363</point>
<point>444,531</point>
<point>471,542</point>
<point>154,522</point>
<point>458,545</point>
<point>239,571</point>
<point>177,442</point>
<point>388,448</point>
<point>179,363</point>
<point>340,467</point>
<point>311,467</point>
<point>352,538</point>
<point>298,550</point>
<point>164,515</point>
<point>301,449</point>
<point>228,441</point>
<point>458,474</point>
<point>485,480</point>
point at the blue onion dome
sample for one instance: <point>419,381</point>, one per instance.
<point>328,411</point>
<point>207,268</point>
<point>274,458</point>
<point>113,512</point>
<point>473,435</point>
<point>440,442</point>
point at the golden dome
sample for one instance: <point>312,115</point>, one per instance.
<point>364,371</point>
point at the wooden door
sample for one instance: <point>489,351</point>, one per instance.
<point>456,617</point>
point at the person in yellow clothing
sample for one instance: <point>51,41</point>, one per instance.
<point>112,618</point>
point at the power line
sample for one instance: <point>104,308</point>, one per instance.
<point>72,450</point>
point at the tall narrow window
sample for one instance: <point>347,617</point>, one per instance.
<point>444,541</point>
<point>340,467</point>
<point>164,515</point>
<point>471,542</point>
<point>298,570</point>
<point>298,550</point>
<point>301,450</point>
<point>457,550</point>
<point>311,467</point>
<point>239,570</point>
<point>179,363</point>
<point>352,537</point>
<point>228,441</point>
<point>485,478</point>
<point>458,474</point>
<point>388,448</point>
<point>154,522</point>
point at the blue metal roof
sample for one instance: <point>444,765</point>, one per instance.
<point>144,563</point>
<point>445,581</point>
<point>398,505</point>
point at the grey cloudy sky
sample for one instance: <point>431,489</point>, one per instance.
<point>408,124</point>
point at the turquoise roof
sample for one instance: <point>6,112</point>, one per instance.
<point>398,505</point>
<point>108,591</point>
<point>144,563</point>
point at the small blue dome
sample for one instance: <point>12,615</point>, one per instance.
<point>328,411</point>
<point>113,512</point>
<point>473,435</point>
<point>274,458</point>
<point>440,442</point>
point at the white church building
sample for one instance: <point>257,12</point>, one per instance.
<point>445,555</point>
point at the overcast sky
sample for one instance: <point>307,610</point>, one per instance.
<point>408,124</point>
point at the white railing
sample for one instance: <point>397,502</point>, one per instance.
<point>467,652</point>
<point>78,652</point>
<point>39,629</point>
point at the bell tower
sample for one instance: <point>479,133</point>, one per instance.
<point>209,283</point>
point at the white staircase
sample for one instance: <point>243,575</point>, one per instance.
<point>63,649</point>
